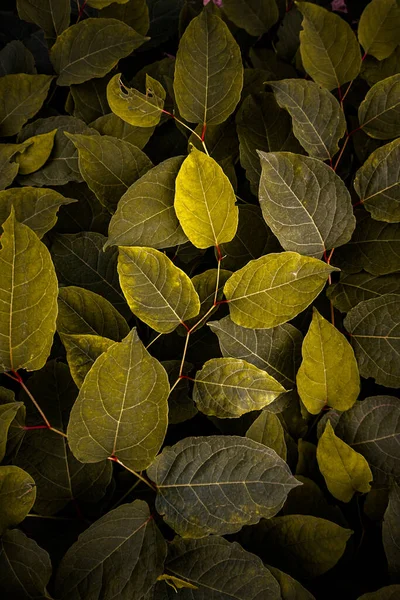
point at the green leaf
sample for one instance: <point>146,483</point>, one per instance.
<point>28,281</point>
<point>82,312</point>
<point>374,327</point>
<point>328,375</point>
<point>378,28</point>
<point>50,15</point>
<point>82,351</point>
<point>290,588</point>
<point>354,288</point>
<point>205,201</point>
<point>391,530</point>
<point>276,350</point>
<point>17,496</point>
<point>109,165</point>
<point>221,569</point>
<point>180,404</point>
<point>377,183</point>
<point>267,430</point>
<point>345,471</point>
<point>208,71</point>
<point>371,428</point>
<point>205,284</point>
<point>379,112</point>
<point>317,117</point>
<point>389,592</point>
<point>89,99</point>
<point>16,58</point>
<point>217,484</point>
<point>8,413</point>
<point>8,166</point>
<point>255,16</point>
<point>303,201</point>
<point>25,567</point>
<point>21,97</point>
<point>110,124</point>
<point>100,4</point>
<point>230,387</point>
<point>375,70</point>
<point>329,48</point>
<point>119,555</point>
<point>135,14</point>
<point>91,48</point>
<point>274,289</point>
<point>37,153</point>
<point>122,408</point>
<point>36,208</point>
<point>145,214</point>
<point>157,291</point>
<point>130,105</point>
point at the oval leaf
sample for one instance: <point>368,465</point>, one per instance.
<point>17,496</point>
<point>378,28</point>
<point>379,112</point>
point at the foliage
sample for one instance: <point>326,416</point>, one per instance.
<point>199,300</point>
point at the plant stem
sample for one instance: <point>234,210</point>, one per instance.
<point>135,473</point>
<point>155,339</point>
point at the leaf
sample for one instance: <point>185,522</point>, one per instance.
<point>145,214</point>
<point>318,120</point>
<point>36,208</point>
<point>17,496</point>
<point>37,153</point>
<point>28,280</point>
<point>371,428</point>
<point>267,430</point>
<point>345,471</point>
<point>25,566</point>
<point>230,387</point>
<point>303,201</point>
<point>274,289</point>
<point>205,201</point>
<point>130,105</point>
<point>122,408</point>
<point>91,48</point>
<point>109,165</point>
<point>255,16</point>
<point>135,14</point>
<point>354,288</point>
<point>375,70</point>
<point>21,97</point>
<point>374,329</point>
<point>386,593</point>
<point>8,166</point>
<point>379,112</point>
<point>378,28</point>
<point>89,99</point>
<point>221,569</point>
<point>391,531</point>
<point>87,214</point>
<point>82,351</point>
<point>276,350</point>
<point>328,375</point>
<point>110,124</point>
<point>82,312</point>
<point>217,484</point>
<point>205,284</point>
<point>208,71</point>
<point>377,183</point>
<point>100,4</point>
<point>180,404</point>
<point>329,49</point>
<point>121,554</point>
<point>15,58</point>
<point>8,413</point>
<point>290,588</point>
<point>50,15</point>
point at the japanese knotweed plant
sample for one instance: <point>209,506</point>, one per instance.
<point>200,300</point>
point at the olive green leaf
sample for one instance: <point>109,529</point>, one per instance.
<point>329,48</point>
<point>82,312</point>
<point>217,484</point>
<point>374,70</point>
<point>213,564</point>
<point>145,214</point>
<point>28,281</point>
<point>25,566</point>
<point>37,153</point>
<point>303,201</point>
<point>134,107</point>
<point>7,415</point>
<point>274,289</point>
<point>110,124</point>
<point>374,327</point>
<point>371,427</point>
<point>391,530</point>
<point>377,183</point>
<point>345,471</point>
<point>100,4</point>
<point>50,15</point>
<point>205,201</point>
<point>109,165</point>
<point>91,48</point>
<point>230,387</point>
<point>277,351</point>
<point>176,583</point>
<point>378,28</point>
<point>135,14</point>
<point>85,215</point>
<point>59,477</point>
<point>267,430</point>
<point>17,496</point>
<point>180,404</point>
<point>379,112</point>
<point>21,96</point>
<point>291,589</point>
<point>8,166</point>
<point>389,592</point>
<point>208,71</point>
<point>35,207</point>
<point>255,16</point>
<point>317,117</point>
<point>328,375</point>
<point>205,284</point>
<point>262,125</point>
<point>82,351</point>
<point>16,58</point>
<point>120,555</point>
<point>122,408</point>
<point>157,291</point>
<point>89,99</point>
<point>355,287</point>
<point>288,33</point>
<point>80,261</point>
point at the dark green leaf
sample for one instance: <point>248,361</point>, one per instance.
<point>134,13</point>
<point>180,404</point>
<point>90,99</point>
<point>374,70</point>
<point>391,531</point>
<point>255,16</point>
<point>378,28</point>
<point>112,125</point>
<point>354,288</point>
<point>390,592</point>
<point>379,113</point>
<point>50,15</point>
<point>17,496</point>
<point>290,588</point>
<point>16,58</point>
<point>267,430</point>
<point>7,415</point>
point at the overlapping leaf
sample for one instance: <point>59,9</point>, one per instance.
<point>130,105</point>
<point>391,531</point>
<point>379,112</point>
<point>355,287</point>
<point>255,16</point>
<point>37,153</point>
<point>378,28</point>
<point>267,429</point>
<point>290,588</point>
<point>50,15</point>
<point>134,14</point>
<point>16,58</point>
<point>8,413</point>
<point>82,351</point>
<point>89,99</point>
<point>17,496</point>
<point>110,124</point>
